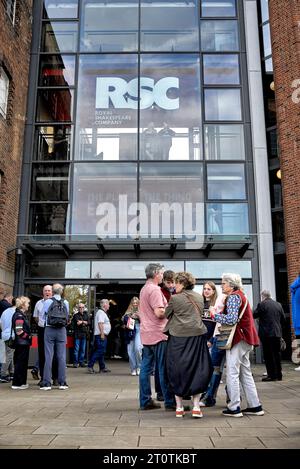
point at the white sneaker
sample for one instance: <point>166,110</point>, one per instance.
<point>138,370</point>
<point>298,368</point>
<point>16,387</point>
<point>63,386</point>
<point>133,373</point>
<point>45,388</point>
<point>25,386</point>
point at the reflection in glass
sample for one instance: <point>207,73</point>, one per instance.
<point>227,219</point>
<point>169,26</point>
<point>170,106</point>
<point>264,5</point>
<point>215,269</point>
<point>178,187</point>
<point>222,104</point>
<point>50,182</point>
<point>226,181</point>
<point>59,269</point>
<point>59,37</point>
<point>57,70</point>
<point>109,26</point>
<point>267,40</point>
<point>107,108</point>
<point>97,188</point>
<point>218,8</point>
<point>219,35</point>
<point>221,69</point>
<point>54,105</point>
<point>48,218</point>
<point>269,65</point>
<point>53,143</point>
<point>224,142</point>
<point>60,8</point>
<point>129,269</point>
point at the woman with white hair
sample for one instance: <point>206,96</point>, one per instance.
<point>237,310</point>
<point>21,328</point>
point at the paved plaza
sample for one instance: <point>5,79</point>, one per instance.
<point>101,411</point>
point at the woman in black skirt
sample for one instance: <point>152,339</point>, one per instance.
<point>188,361</point>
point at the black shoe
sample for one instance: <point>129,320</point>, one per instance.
<point>232,413</point>
<point>160,397</point>
<point>55,382</point>
<point>105,370</point>
<point>82,365</point>
<point>5,379</point>
<point>268,378</point>
<point>35,374</point>
<point>151,405</point>
<point>254,410</point>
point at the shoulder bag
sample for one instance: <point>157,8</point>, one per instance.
<point>225,338</point>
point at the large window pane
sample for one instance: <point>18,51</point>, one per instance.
<point>227,219</point>
<point>214,269</point>
<point>54,105</point>
<point>224,142</point>
<point>221,69</point>
<point>129,269</point>
<point>59,269</point>
<point>57,70</point>
<point>169,26</point>
<point>107,108</point>
<point>109,26</point>
<point>267,40</point>
<point>264,5</point>
<point>59,37</point>
<point>48,218</point>
<point>218,8</point>
<point>53,143</point>
<point>97,206</point>
<point>173,195</point>
<point>219,35</point>
<point>222,104</point>
<point>50,182</point>
<point>60,8</point>
<point>226,181</point>
<point>170,104</point>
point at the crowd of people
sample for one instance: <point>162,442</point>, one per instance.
<point>171,333</point>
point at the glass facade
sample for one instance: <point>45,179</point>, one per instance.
<point>142,100</point>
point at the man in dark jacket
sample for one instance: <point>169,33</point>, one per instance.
<point>271,318</point>
<point>6,302</point>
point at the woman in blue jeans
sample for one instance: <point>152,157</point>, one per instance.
<point>132,336</point>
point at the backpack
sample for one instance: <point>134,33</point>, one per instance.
<point>57,314</point>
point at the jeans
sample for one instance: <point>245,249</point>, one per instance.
<point>98,352</point>
<point>218,361</point>
<point>79,350</point>
<point>55,343</point>
<point>134,350</point>
<point>239,373</point>
<point>154,355</point>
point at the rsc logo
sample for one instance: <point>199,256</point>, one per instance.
<point>114,92</point>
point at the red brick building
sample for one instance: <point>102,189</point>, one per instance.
<point>15,40</point>
<point>285,37</point>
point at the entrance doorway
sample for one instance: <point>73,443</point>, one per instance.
<point>119,296</point>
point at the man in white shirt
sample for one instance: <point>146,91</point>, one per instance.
<point>102,328</point>
<point>39,316</point>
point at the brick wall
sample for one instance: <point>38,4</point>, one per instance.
<point>14,58</point>
<point>285,34</point>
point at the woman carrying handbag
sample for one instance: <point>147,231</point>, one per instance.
<point>23,339</point>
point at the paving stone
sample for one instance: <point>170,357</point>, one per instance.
<point>16,430</point>
<point>63,429</point>
<point>282,443</point>
<point>189,431</point>
<point>175,442</point>
<point>24,440</point>
<point>135,431</point>
<point>237,442</point>
<point>97,441</point>
<point>251,431</point>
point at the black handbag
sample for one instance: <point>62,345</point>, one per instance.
<point>11,342</point>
